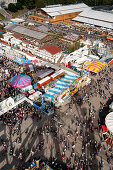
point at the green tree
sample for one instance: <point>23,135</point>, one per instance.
<point>90,2</point>
<point>19,6</point>
<point>12,7</point>
<point>49,2</point>
<point>21,1</point>
<point>62,2</point>
<point>41,3</point>
<point>82,45</point>
<point>107,2</point>
<point>1,27</point>
<point>30,4</point>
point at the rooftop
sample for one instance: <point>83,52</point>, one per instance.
<point>51,49</point>
<point>17,35</point>
<point>94,22</point>
<point>25,31</point>
<point>65,9</point>
<point>97,15</point>
<point>17,20</point>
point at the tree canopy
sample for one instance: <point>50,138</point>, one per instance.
<point>98,2</point>
<point>65,2</point>
<point>30,4</point>
<point>12,7</point>
<point>19,6</point>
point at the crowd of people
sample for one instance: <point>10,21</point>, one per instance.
<point>7,70</point>
<point>74,137</point>
<point>13,119</point>
<point>61,133</point>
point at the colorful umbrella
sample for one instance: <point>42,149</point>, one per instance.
<point>20,81</point>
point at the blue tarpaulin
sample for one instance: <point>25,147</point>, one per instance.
<point>36,106</point>
<point>22,61</point>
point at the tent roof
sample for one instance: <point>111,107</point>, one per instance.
<point>96,18</point>
<point>94,22</point>
<point>20,81</point>
<point>64,9</point>
<point>109,122</point>
<point>17,20</point>
<point>95,66</point>
<point>98,15</point>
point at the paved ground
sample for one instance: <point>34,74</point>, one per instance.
<point>39,132</point>
<point>54,135</point>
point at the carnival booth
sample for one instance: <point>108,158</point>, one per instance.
<point>109,125</point>
<point>44,81</point>
<point>27,88</point>
<point>35,96</point>
<point>57,74</point>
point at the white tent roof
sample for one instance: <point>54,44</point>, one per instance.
<point>109,122</point>
<point>44,80</point>
<point>65,9</point>
<point>94,22</point>
<point>82,59</point>
<point>17,20</point>
<point>35,95</point>
<point>94,57</point>
<point>99,15</point>
<point>103,19</point>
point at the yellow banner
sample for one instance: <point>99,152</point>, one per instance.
<point>37,164</point>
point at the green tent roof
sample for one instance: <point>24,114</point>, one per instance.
<point>65,52</point>
<point>108,60</point>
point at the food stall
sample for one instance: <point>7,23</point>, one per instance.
<point>57,74</point>
<point>44,81</point>
<point>35,96</point>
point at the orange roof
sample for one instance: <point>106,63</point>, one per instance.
<point>51,49</point>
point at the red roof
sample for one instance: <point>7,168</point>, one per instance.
<point>26,41</point>
<point>17,35</point>
<point>51,49</point>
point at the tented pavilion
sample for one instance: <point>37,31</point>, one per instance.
<point>95,18</point>
<point>95,66</point>
<point>59,13</point>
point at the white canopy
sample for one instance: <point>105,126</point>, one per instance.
<point>35,95</point>
<point>109,122</point>
<point>17,20</point>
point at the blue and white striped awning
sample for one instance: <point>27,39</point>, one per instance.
<point>60,86</point>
